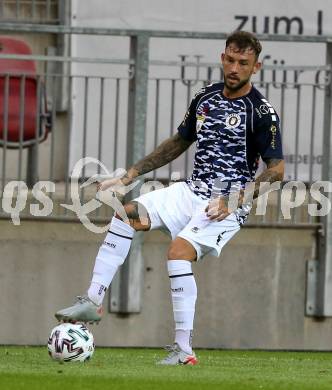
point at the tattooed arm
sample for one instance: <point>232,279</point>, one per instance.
<point>219,209</point>
<point>166,152</point>
<point>274,172</point>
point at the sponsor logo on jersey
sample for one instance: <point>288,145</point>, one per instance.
<point>233,120</point>
<point>273,130</point>
<point>195,229</point>
<point>264,109</point>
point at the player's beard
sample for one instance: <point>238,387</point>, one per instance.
<point>235,87</point>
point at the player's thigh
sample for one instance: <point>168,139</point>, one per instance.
<point>168,208</point>
<point>211,238</point>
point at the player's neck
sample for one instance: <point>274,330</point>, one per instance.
<point>238,93</point>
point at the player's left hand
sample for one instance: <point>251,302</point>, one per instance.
<point>217,210</point>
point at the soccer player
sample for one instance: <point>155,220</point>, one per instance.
<point>232,125</point>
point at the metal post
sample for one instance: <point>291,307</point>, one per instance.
<point>63,49</point>
<point>126,290</point>
<point>319,286</point>
<point>33,150</point>
<point>326,267</point>
<point>32,166</point>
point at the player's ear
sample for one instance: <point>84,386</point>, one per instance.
<point>222,57</point>
<point>257,67</point>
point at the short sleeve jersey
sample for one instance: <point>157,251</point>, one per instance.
<point>230,135</point>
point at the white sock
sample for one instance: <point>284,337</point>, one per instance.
<point>184,294</point>
<point>111,255</point>
<point>96,292</point>
<point>184,339</point>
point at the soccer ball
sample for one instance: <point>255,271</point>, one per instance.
<point>71,343</point>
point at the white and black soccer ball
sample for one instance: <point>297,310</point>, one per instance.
<point>71,343</point>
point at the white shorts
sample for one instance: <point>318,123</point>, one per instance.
<point>178,211</point>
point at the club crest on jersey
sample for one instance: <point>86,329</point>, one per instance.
<point>199,122</point>
<point>233,120</point>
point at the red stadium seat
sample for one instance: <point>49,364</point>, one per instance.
<point>24,119</point>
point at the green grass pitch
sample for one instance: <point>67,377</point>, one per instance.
<point>114,368</point>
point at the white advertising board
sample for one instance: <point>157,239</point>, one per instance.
<point>301,108</point>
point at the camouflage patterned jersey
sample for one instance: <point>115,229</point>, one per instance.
<point>230,135</point>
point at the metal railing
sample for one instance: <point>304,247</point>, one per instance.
<point>122,114</point>
<point>89,112</point>
<point>93,122</point>
<point>29,11</point>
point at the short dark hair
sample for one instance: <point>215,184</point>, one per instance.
<point>245,40</point>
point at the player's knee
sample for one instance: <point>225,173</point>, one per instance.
<point>136,216</point>
<point>118,216</point>
<point>180,249</point>
<point>129,209</point>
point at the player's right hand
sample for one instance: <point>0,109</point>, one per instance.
<point>121,184</point>
<point>115,184</point>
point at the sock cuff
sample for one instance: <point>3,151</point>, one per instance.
<point>179,267</point>
<point>119,227</point>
